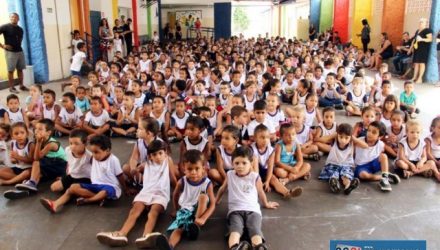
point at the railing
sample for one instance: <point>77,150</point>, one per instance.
<point>191,33</point>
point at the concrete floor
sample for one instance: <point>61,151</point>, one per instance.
<point>411,211</point>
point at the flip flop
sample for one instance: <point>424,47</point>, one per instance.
<point>48,204</point>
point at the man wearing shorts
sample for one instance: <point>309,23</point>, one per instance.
<point>13,35</point>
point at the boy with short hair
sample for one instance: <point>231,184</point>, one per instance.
<point>70,116</point>
<point>329,96</point>
<point>240,117</point>
<point>408,100</point>
<point>260,118</point>
<point>14,113</point>
<point>49,161</point>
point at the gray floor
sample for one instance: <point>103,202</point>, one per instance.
<point>411,211</point>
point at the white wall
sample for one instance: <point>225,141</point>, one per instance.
<point>207,15</point>
<point>57,28</point>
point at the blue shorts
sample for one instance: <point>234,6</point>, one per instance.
<point>96,188</point>
<point>371,167</point>
<point>75,73</point>
<point>263,173</point>
<point>336,171</point>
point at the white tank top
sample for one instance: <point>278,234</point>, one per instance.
<point>161,118</point>
<point>358,100</point>
<point>213,120</point>
<point>435,148</point>
<point>242,192</point>
<point>366,155</point>
<point>341,156</point>
<point>49,113</point>
<point>131,114</point>
<point>227,158</point>
<point>142,148</point>
<point>302,99</point>
<point>21,152</point>
<point>303,135</point>
<point>157,179</point>
<point>263,157</point>
<point>326,131</point>
<point>15,117</point>
<point>309,117</point>
<point>277,117</point>
<point>200,146</point>
<point>400,135</point>
<point>236,90</point>
<point>180,121</point>
<point>249,105</point>
<point>191,191</point>
<point>223,101</point>
<point>385,121</point>
<point>412,154</point>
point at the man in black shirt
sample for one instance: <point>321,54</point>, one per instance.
<point>403,53</point>
<point>128,36</point>
<point>13,35</point>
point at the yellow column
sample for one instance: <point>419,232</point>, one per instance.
<point>115,9</point>
<point>362,9</point>
<point>4,18</point>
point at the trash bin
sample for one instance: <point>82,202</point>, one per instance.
<point>28,75</point>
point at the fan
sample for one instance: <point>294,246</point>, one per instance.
<point>147,3</point>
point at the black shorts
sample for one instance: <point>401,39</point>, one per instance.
<point>240,220</point>
<point>18,171</point>
<point>52,168</point>
<point>68,180</point>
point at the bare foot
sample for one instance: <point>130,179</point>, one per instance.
<point>284,181</point>
<point>307,176</point>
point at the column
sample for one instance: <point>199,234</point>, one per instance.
<point>134,7</point>
<point>315,13</point>
<point>326,17</point>
<point>432,74</point>
<point>222,19</point>
<point>340,20</point>
<point>362,9</point>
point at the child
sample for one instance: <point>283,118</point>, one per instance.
<point>356,98</point>
<point>389,106</point>
<point>139,97</point>
<point>118,101</point>
<point>34,103</point>
<point>18,165</point>
<point>395,133</point>
<point>250,96</point>
<point>78,59</point>
<point>265,156</point>
<point>312,113</point>
<point>82,102</point>
<point>154,196</point>
<point>240,118</point>
<point>329,95</point>
<point>117,42</point>
<point>338,167</point>
<point>274,113</point>
<point>70,116</point>
<point>229,142</point>
<point>305,88</point>
<point>96,121</point>
<point>147,131</point>
<point>244,188</point>
<point>304,135</point>
<point>261,118</point>
<point>50,109</point>
<point>380,95</point>
<point>178,121</point>
<point>288,88</point>
<point>408,100</point>
<point>106,178</point>
<point>371,160</point>
<point>433,142</point>
<point>194,140</point>
<point>289,161</point>
<point>79,162</point>
<point>5,137</point>
<point>160,113</point>
<point>193,199</point>
<point>14,113</point>
<point>49,161</point>
<point>411,159</point>
<point>215,119</point>
<point>368,116</point>
<point>325,128</point>
<point>225,96</point>
<point>98,90</point>
<point>128,117</point>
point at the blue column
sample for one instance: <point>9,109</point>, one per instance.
<point>35,30</point>
<point>315,13</point>
<point>17,7</point>
<point>222,20</point>
<point>159,15</point>
<point>432,74</point>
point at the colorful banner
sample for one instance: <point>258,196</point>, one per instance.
<point>326,18</point>
<point>340,20</point>
<point>362,9</point>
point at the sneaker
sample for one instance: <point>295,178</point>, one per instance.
<point>23,88</point>
<point>193,231</point>
<point>353,185</point>
<point>15,194</point>
<point>148,241</point>
<point>243,245</point>
<point>113,239</point>
<point>162,243</point>
<point>335,186</point>
<point>339,107</point>
<point>315,157</point>
<point>27,185</point>
<point>13,90</point>
<point>261,246</point>
<point>394,178</point>
<point>295,192</point>
<point>385,185</point>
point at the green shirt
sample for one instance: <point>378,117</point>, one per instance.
<point>55,154</point>
<point>408,100</point>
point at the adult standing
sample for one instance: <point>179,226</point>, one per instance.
<point>13,35</point>
<point>118,29</point>
<point>312,32</point>
<point>365,34</point>
<point>420,45</point>
<point>128,36</point>
<point>105,36</point>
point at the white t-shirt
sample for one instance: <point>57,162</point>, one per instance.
<point>105,173</point>
<point>97,120</point>
<point>191,191</point>
<point>242,192</point>
<point>78,167</point>
<point>75,43</point>
<point>70,118</point>
<point>366,155</point>
<point>77,61</point>
<point>253,124</point>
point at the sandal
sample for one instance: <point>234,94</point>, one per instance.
<point>80,201</point>
<point>48,204</point>
<point>407,174</point>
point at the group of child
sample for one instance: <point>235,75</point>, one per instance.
<point>246,119</point>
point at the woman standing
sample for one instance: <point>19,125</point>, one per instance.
<point>365,34</point>
<point>105,36</point>
<point>385,52</point>
<point>420,45</point>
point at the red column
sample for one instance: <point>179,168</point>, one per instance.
<point>340,18</point>
<point>135,22</point>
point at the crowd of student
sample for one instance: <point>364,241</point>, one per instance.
<point>248,115</point>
